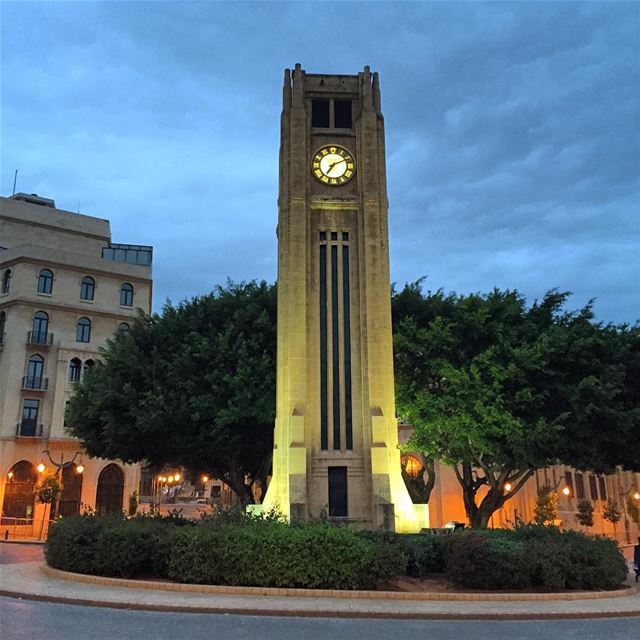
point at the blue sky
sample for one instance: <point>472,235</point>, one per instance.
<point>513,133</point>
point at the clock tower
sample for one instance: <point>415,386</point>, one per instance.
<point>336,438</point>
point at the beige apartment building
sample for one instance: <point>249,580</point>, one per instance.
<point>65,288</point>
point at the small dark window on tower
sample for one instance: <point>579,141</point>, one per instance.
<point>342,114</point>
<point>334,235</point>
<point>323,235</point>
<point>320,113</point>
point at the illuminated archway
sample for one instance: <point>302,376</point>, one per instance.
<point>18,494</point>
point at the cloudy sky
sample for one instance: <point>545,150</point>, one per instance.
<point>513,137</point>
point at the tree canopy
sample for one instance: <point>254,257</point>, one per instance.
<point>194,387</point>
<point>497,389</point>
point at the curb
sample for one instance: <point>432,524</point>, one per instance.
<point>251,611</point>
<point>333,593</point>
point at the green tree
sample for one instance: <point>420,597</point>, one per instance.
<point>612,513</point>
<point>193,387</point>
<point>633,509</point>
<point>545,510</point>
<point>46,491</point>
<point>585,513</point>
<point>496,389</point>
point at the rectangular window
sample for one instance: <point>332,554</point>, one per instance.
<point>342,114</point>
<point>602,485</point>
<point>579,486</point>
<point>29,421</point>
<point>593,487</point>
<point>320,113</point>
<point>338,504</point>
<point>568,480</point>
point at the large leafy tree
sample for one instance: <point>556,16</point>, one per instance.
<point>194,387</point>
<point>496,389</point>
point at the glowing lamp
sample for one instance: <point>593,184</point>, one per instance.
<point>10,475</point>
<point>412,466</point>
<point>170,479</point>
<point>566,491</point>
<point>507,487</point>
<point>636,496</point>
<point>79,468</point>
<point>176,477</point>
<point>40,467</point>
<point>205,479</point>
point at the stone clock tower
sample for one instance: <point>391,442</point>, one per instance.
<point>336,442</point>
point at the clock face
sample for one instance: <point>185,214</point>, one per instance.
<point>333,165</point>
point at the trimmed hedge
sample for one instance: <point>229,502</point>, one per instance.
<point>247,551</point>
<point>252,552</point>
<point>534,557</point>
<point>110,545</point>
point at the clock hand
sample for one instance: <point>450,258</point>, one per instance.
<point>334,164</point>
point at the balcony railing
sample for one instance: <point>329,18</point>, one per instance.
<point>40,337</point>
<point>36,384</point>
<point>30,429</point>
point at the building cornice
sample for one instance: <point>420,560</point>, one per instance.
<point>83,311</point>
<point>76,268</point>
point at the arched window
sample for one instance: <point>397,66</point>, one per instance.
<point>18,494</point>
<point>110,490</point>
<point>123,327</point>
<point>35,368</point>
<point>83,330</point>
<point>126,295</point>
<point>6,281</point>
<point>75,366</point>
<point>40,327</point>
<point>88,365</point>
<point>87,288</point>
<point>45,281</point>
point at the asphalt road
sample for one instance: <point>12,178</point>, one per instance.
<point>26,620</point>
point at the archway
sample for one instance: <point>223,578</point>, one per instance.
<point>71,492</point>
<point>18,494</point>
<point>110,490</point>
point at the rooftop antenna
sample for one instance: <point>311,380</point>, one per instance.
<point>15,177</point>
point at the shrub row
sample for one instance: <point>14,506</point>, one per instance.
<point>250,552</point>
<point>537,557</point>
<point>257,552</point>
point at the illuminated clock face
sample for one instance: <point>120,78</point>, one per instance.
<point>333,165</point>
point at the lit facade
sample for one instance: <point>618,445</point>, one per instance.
<point>64,290</point>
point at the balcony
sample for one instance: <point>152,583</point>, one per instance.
<point>30,429</point>
<point>42,339</point>
<point>35,384</point>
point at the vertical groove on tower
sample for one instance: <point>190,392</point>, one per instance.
<point>324,432</point>
<point>335,334</point>
<point>347,347</point>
